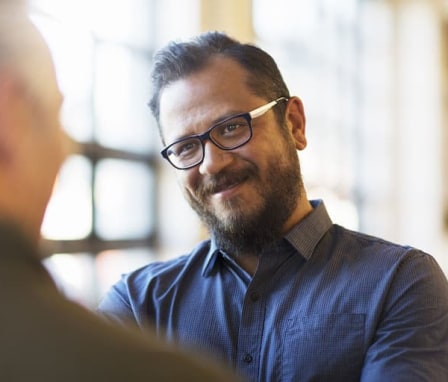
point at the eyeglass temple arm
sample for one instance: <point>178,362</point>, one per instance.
<point>263,109</point>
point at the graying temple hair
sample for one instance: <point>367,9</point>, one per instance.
<point>179,59</point>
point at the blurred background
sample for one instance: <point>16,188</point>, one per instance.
<point>373,77</point>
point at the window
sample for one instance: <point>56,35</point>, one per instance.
<point>371,74</point>
<point>101,219</point>
<point>341,58</point>
<point>315,44</point>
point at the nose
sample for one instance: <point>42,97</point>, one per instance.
<point>215,159</point>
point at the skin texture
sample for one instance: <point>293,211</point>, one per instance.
<point>33,145</point>
<point>250,196</point>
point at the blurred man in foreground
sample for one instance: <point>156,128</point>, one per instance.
<point>44,337</point>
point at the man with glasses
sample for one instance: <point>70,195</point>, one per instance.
<point>278,292</point>
<point>229,134</point>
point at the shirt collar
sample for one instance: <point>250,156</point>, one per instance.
<point>210,260</point>
<point>304,236</point>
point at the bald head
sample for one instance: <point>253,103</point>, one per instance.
<point>16,37</point>
<point>23,52</point>
<point>32,143</point>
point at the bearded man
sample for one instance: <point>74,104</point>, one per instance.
<point>278,292</point>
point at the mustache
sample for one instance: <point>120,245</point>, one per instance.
<point>224,179</point>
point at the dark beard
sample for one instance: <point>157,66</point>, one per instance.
<point>250,234</point>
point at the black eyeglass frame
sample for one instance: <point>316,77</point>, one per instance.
<point>249,116</point>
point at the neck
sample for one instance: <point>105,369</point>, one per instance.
<point>303,209</point>
<point>23,223</point>
<point>248,262</point>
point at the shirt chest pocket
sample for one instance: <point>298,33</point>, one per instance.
<point>323,347</point>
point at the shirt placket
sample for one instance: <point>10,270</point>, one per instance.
<point>251,332</point>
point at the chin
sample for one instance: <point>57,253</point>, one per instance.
<point>233,209</point>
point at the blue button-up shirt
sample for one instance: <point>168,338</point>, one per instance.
<point>325,304</point>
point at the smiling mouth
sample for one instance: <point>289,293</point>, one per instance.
<point>220,188</point>
<point>222,184</point>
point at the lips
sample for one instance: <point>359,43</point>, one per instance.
<point>222,182</point>
<point>225,186</point>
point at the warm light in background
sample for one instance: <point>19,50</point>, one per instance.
<point>69,213</point>
<point>371,74</point>
<point>103,196</point>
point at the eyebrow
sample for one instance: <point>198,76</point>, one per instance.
<point>213,123</point>
<point>225,117</point>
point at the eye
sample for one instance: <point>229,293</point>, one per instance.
<point>232,128</point>
<point>184,148</point>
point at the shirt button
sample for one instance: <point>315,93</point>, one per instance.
<point>247,358</point>
<point>254,296</point>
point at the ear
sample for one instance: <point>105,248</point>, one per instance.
<point>11,116</point>
<point>6,90</point>
<point>295,120</point>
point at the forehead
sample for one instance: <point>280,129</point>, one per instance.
<point>193,103</point>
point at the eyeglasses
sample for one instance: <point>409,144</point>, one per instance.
<point>228,134</point>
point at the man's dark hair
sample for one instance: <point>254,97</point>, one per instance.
<point>180,59</point>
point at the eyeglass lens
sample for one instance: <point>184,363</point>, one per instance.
<point>227,135</point>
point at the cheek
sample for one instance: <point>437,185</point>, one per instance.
<point>185,181</point>
<point>56,146</point>
<point>268,158</point>
<point>189,182</point>
<point>53,150</point>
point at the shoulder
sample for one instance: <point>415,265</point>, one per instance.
<point>171,269</point>
<point>361,243</point>
<point>374,255</point>
<point>128,297</point>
